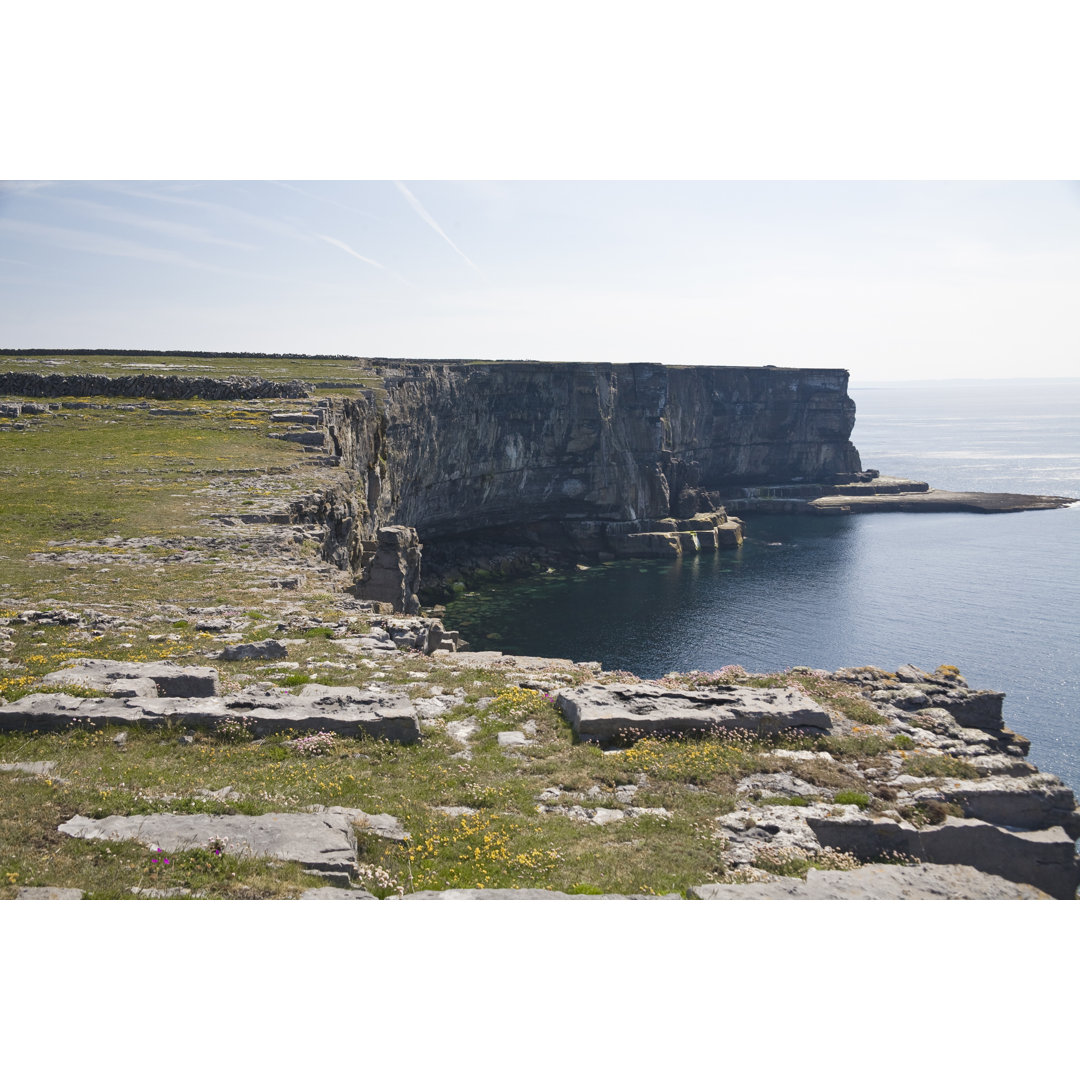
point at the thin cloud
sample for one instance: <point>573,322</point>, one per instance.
<point>98,244</point>
<point>178,230</point>
<point>415,203</point>
<point>345,247</point>
<point>255,220</point>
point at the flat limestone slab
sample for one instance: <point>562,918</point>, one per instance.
<point>31,768</point>
<point>171,679</point>
<point>523,894</point>
<point>878,883</point>
<point>935,501</point>
<point>633,710</point>
<point>389,717</point>
<point>48,892</point>
<point>323,842</point>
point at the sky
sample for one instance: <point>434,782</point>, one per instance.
<point>891,280</point>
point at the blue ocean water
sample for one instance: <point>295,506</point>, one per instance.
<point>997,595</point>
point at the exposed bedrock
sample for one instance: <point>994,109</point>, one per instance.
<point>514,445</point>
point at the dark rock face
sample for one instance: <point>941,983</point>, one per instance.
<point>474,446</point>
<point>553,454</point>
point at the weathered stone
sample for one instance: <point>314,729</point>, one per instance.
<point>524,894</point>
<point>269,649</point>
<point>344,710</point>
<point>647,545</point>
<point>328,892</point>
<point>1045,858</point>
<point>782,785</point>
<point>627,711</point>
<point>512,738</point>
<point>171,679</point>
<point>1028,802</point>
<point>48,892</point>
<point>925,882</point>
<point>320,842</point>
<point>32,768</point>
<point>393,574</point>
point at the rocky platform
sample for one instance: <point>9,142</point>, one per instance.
<point>872,493</point>
<point>164,693</point>
<point>628,711</point>
<point>961,793</point>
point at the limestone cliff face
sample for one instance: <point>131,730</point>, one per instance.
<point>454,448</point>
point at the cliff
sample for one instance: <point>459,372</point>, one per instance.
<point>558,453</point>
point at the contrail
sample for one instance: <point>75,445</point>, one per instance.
<point>415,203</point>
<point>346,248</point>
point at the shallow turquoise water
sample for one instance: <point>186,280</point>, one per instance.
<point>997,595</point>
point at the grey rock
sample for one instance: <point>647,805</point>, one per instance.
<point>32,768</point>
<point>380,715</point>
<point>392,575</point>
<point>512,738</point>
<point>779,784</point>
<point>648,811</point>
<point>604,816</point>
<point>925,882</point>
<point>48,892</point>
<point>1045,858</point>
<point>623,710</point>
<point>269,649</point>
<point>328,892</point>
<point>168,678</point>
<point>321,842</point>
<point>523,894</point>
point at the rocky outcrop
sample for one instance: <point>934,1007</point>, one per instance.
<point>950,785</point>
<point>136,697</point>
<point>621,711</point>
<point>390,571</point>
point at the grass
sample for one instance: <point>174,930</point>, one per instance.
<point>944,765</point>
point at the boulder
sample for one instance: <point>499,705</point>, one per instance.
<point>268,649</point>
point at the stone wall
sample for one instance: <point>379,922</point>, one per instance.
<point>159,387</point>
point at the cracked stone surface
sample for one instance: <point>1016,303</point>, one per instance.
<point>925,882</point>
<point>603,712</point>
<point>323,842</point>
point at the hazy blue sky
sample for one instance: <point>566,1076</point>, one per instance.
<point>890,280</point>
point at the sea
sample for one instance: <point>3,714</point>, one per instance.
<point>998,595</point>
